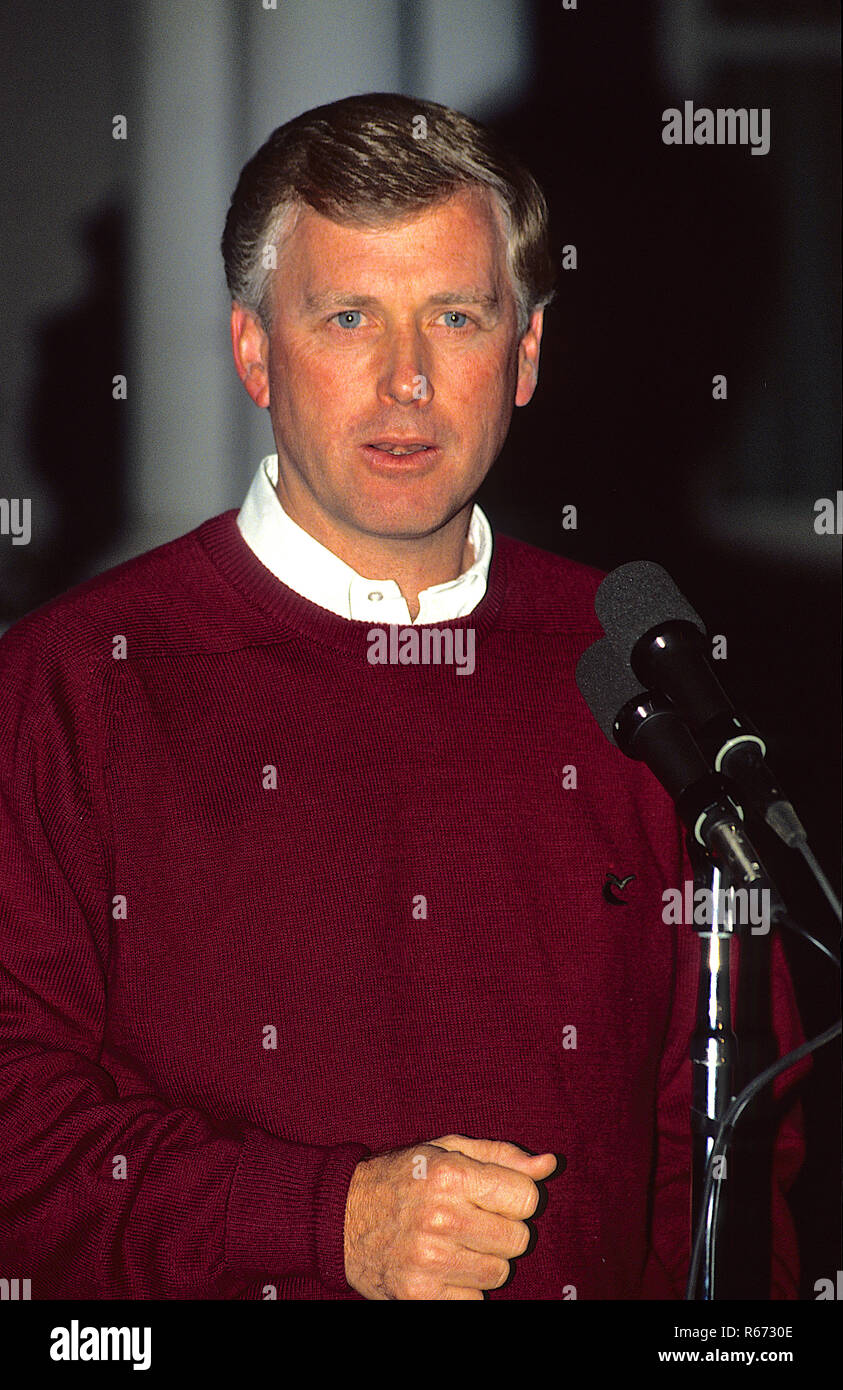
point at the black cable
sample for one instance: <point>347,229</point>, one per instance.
<point>728,1122</point>
<point>783,919</point>
<point>813,864</point>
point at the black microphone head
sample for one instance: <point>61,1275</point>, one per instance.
<point>637,597</point>
<point>606,682</point>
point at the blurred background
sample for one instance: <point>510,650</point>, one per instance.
<point>691,262</point>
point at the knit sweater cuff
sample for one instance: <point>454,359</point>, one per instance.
<point>286,1209</point>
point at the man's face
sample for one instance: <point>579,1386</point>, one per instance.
<point>401,337</point>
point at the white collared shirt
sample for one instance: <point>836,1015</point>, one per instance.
<point>315,572</point>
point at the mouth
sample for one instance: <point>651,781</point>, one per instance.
<point>400,447</point>
<point>401,452</point>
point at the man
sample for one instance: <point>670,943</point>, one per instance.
<point>310,979</point>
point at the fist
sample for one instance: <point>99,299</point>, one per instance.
<point>440,1220</point>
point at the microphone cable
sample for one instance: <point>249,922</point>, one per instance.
<point>707,1219</point>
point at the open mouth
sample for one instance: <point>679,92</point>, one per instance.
<point>400,450</point>
<point>396,454</point>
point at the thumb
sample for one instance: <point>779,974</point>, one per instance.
<point>536,1166</point>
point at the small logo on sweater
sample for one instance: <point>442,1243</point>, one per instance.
<point>422,646</point>
<point>612,881</point>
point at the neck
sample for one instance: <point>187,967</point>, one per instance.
<point>412,580</point>
<point>414,565</point>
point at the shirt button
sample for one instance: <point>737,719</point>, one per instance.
<point>375,596</point>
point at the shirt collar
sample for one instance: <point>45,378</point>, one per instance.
<point>316,573</point>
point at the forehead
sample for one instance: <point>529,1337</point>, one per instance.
<point>456,242</point>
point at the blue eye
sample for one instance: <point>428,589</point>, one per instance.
<point>452,314</point>
<point>346,318</point>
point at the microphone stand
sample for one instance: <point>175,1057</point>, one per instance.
<point>645,725</point>
<point>713,1052</point>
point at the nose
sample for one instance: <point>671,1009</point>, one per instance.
<point>405,371</point>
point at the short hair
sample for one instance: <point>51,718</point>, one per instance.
<point>371,159</point>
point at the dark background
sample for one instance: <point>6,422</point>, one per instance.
<point>691,262</point>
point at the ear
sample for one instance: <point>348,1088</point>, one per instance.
<point>250,346</point>
<point>528,359</point>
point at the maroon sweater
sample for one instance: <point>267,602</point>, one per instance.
<point>267,908</point>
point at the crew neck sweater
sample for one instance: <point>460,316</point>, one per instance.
<point>269,908</point>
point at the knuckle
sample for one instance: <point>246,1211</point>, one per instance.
<point>414,1285</point>
<point>443,1175</point>
<point>439,1218</point>
<point>425,1254</point>
<point>506,1152</point>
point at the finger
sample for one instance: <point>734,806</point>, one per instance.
<point>489,1234</point>
<point>499,1151</point>
<point>501,1190</point>
<point>465,1269</point>
<point>451,1292</point>
<point>465,1225</point>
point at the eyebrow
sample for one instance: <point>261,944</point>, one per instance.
<point>339,299</point>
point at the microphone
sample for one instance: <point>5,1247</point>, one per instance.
<point>652,626</point>
<point>646,726</point>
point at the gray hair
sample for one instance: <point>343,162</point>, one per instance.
<point>368,160</point>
